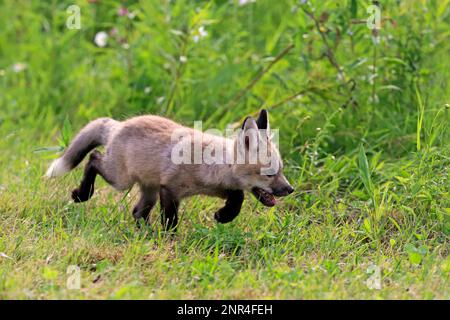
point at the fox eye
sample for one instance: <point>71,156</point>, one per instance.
<point>271,175</point>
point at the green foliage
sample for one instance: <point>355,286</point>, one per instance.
<point>66,133</point>
<point>364,172</point>
<point>363,131</point>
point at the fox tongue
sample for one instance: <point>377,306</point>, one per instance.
<point>264,197</point>
<point>269,200</point>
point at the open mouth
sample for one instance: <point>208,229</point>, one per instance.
<point>264,197</point>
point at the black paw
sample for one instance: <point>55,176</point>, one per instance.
<point>142,223</point>
<point>82,196</point>
<point>224,216</point>
<point>140,217</point>
<point>137,213</point>
<point>170,225</point>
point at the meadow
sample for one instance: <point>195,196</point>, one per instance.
<point>362,112</point>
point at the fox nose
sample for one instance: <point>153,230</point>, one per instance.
<point>283,191</point>
<point>289,189</point>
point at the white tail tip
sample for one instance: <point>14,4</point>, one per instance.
<point>57,168</point>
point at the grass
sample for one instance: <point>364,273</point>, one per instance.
<point>363,131</point>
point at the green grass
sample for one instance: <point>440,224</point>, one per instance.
<point>370,163</point>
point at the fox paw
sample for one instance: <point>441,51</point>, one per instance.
<point>224,216</point>
<point>81,195</point>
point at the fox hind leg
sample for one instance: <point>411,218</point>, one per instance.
<point>93,167</point>
<point>86,189</point>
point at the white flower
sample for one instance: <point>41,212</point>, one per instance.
<point>2,72</point>
<point>183,59</point>
<point>4,255</point>
<point>19,66</point>
<point>126,46</point>
<point>101,38</point>
<point>160,100</point>
<point>201,33</point>
<point>147,90</point>
<point>244,2</point>
<point>376,39</point>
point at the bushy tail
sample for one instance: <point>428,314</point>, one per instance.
<point>94,134</point>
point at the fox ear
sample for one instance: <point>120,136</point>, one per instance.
<point>263,120</point>
<point>249,133</point>
<point>249,123</point>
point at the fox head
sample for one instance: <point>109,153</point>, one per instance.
<point>259,167</point>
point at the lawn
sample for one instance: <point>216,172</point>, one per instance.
<point>362,114</point>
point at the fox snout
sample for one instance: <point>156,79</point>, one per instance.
<point>282,191</point>
<point>281,186</point>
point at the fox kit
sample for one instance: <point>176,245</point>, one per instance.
<point>141,151</point>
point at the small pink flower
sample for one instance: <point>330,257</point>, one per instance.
<point>122,11</point>
<point>113,32</point>
<point>19,67</point>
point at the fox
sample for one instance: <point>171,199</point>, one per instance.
<point>139,151</point>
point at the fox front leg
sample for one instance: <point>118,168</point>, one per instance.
<point>232,206</point>
<point>169,208</point>
<point>145,204</point>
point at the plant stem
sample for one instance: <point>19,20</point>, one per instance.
<point>252,83</point>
